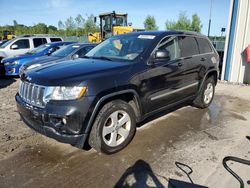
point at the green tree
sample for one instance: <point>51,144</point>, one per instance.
<point>184,23</point>
<point>196,23</point>
<point>150,23</point>
<point>60,25</point>
<point>40,28</point>
<point>70,26</point>
<point>52,29</point>
<point>90,26</point>
<point>79,24</point>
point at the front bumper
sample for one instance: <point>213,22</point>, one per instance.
<point>2,69</point>
<point>48,122</point>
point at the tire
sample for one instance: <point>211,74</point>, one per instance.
<point>109,137</point>
<point>206,94</point>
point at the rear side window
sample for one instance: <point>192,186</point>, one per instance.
<point>188,46</point>
<point>204,45</point>
<point>39,41</point>
<point>55,39</point>
<point>22,43</point>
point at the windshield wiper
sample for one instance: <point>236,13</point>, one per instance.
<point>101,57</point>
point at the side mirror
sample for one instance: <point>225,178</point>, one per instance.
<point>14,47</point>
<point>75,56</point>
<point>50,51</point>
<point>162,55</point>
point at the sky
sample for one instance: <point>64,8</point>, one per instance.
<point>30,12</point>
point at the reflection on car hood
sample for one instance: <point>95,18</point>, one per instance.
<point>72,70</point>
<point>44,60</point>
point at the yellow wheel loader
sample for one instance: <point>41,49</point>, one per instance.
<point>111,24</point>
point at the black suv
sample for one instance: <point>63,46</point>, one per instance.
<point>98,100</point>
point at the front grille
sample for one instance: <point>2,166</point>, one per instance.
<point>32,94</point>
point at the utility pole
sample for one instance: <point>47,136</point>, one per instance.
<point>210,16</point>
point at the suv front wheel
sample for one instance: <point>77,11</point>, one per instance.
<point>114,127</point>
<point>206,95</point>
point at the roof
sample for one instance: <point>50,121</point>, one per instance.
<point>168,32</point>
<point>37,35</point>
<point>117,14</point>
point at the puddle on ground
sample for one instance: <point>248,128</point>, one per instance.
<point>60,165</point>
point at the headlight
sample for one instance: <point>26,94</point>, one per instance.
<point>64,93</point>
<point>33,66</point>
<point>12,63</point>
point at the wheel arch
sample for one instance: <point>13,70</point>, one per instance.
<point>129,95</point>
<point>211,73</point>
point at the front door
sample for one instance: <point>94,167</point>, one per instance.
<point>163,79</point>
<point>20,46</point>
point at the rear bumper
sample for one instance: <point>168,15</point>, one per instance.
<point>39,120</point>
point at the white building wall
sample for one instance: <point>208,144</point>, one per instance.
<point>239,71</point>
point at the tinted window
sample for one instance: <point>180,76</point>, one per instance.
<point>39,41</point>
<point>22,43</point>
<point>188,46</point>
<point>204,45</point>
<point>171,44</point>
<point>55,39</point>
<point>65,51</point>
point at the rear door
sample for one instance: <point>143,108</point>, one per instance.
<point>39,41</point>
<point>191,61</point>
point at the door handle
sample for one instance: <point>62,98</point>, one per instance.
<point>203,59</point>
<point>179,64</point>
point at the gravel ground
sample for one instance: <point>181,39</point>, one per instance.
<point>197,138</point>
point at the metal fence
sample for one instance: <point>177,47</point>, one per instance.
<point>75,38</point>
<point>219,45</point>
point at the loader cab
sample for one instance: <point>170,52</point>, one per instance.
<point>110,20</point>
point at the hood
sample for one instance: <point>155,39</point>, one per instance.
<point>43,60</point>
<point>73,72</point>
<point>18,57</point>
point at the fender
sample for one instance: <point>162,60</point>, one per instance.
<point>205,77</point>
<point>100,101</point>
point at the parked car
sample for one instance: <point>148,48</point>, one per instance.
<point>99,100</point>
<point>73,51</point>
<point>12,65</point>
<point>3,42</point>
<point>25,43</point>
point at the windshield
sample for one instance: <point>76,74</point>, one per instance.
<point>7,43</point>
<point>38,49</point>
<point>123,47</point>
<point>65,51</point>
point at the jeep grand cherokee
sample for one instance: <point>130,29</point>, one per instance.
<point>98,100</point>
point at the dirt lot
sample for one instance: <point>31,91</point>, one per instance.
<point>197,138</point>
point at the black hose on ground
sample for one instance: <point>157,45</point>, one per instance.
<point>239,160</point>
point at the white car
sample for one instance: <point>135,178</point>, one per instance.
<point>25,43</point>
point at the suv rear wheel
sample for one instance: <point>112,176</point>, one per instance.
<point>114,127</point>
<point>206,95</point>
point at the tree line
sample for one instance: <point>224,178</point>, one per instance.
<point>77,26</point>
<point>80,26</point>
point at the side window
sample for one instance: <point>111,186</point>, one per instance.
<point>81,52</point>
<point>204,45</point>
<point>22,44</point>
<point>170,44</point>
<point>188,46</point>
<point>88,48</point>
<point>39,41</point>
<point>55,39</point>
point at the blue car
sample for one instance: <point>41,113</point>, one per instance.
<point>10,66</point>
